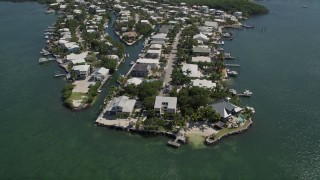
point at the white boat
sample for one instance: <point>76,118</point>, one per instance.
<point>99,91</point>
<point>49,11</point>
<point>247,93</point>
<point>232,73</point>
<point>42,60</point>
<point>219,43</point>
<point>47,37</point>
<point>132,63</point>
<point>304,6</point>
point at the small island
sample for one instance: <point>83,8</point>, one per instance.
<point>178,85</point>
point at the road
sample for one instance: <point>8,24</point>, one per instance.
<point>170,59</point>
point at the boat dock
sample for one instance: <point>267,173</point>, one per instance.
<point>180,137</point>
<point>232,65</point>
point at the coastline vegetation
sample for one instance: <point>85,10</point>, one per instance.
<point>248,7</point>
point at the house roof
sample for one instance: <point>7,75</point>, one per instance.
<point>201,59</point>
<point>158,42</point>
<point>200,50</point>
<point>193,68</point>
<point>135,81</point>
<point>81,67</point>
<point>101,71</point>
<point>211,24</point>
<point>124,102</point>
<point>159,36</point>
<point>172,102</point>
<point>140,67</point>
<point>201,37</point>
<point>148,61</point>
<point>73,56</point>
<point>224,108</point>
<point>203,83</point>
<point>78,61</point>
<point>154,51</point>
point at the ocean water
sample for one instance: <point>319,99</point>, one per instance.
<point>41,139</point>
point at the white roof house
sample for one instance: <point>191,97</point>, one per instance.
<point>201,59</point>
<point>136,81</point>
<point>73,56</point>
<point>155,46</point>
<point>201,37</point>
<point>203,83</point>
<point>81,70</point>
<point>154,63</point>
<point>115,57</point>
<point>165,104</point>
<point>100,73</point>
<point>211,24</point>
<point>153,53</point>
<point>191,70</point>
<point>121,104</point>
<point>159,37</point>
<point>78,61</point>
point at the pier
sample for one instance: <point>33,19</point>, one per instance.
<point>232,65</point>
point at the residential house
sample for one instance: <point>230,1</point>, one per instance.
<point>201,51</point>
<point>201,37</point>
<point>153,53</point>
<point>153,63</point>
<point>140,70</point>
<point>165,105</point>
<point>121,105</point>
<point>203,83</point>
<point>191,70</point>
<point>224,108</point>
<point>201,59</point>
<point>100,73</point>
<point>81,71</point>
<point>211,24</point>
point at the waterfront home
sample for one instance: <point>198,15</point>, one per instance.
<point>165,29</point>
<point>140,70</point>
<point>155,46</point>
<point>205,30</point>
<point>224,108</point>
<point>201,37</point>
<point>73,56</point>
<point>211,24</point>
<point>191,70</point>
<point>153,63</point>
<point>159,37</point>
<point>113,56</point>
<point>100,74</point>
<point>203,83</point>
<point>120,105</point>
<point>70,46</point>
<point>165,105</point>
<point>77,61</point>
<point>81,71</point>
<point>153,53</point>
<point>201,51</point>
<point>238,14</point>
<point>158,42</point>
<point>201,59</point>
<point>135,81</point>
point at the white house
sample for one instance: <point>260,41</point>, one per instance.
<point>203,83</point>
<point>121,105</point>
<point>154,63</point>
<point>100,73</point>
<point>212,24</point>
<point>201,37</point>
<point>159,37</point>
<point>191,70</point>
<point>201,59</point>
<point>153,53</point>
<point>81,71</point>
<point>165,105</point>
<point>134,80</point>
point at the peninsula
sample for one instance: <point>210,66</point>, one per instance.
<point>177,85</point>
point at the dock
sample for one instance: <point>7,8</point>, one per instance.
<point>232,65</point>
<point>179,137</point>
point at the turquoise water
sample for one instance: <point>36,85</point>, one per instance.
<point>40,139</point>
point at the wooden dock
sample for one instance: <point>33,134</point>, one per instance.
<point>232,65</point>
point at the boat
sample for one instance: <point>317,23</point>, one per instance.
<point>49,11</point>
<point>219,43</point>
<point>227,36</point>
<point>247,93</point>
<point>132,63</point>
<point>220,49</point>
<point>43,60</point>
<point>228,56</point>
<point>247,26</point>
<point>99,91</point>
<point>47,37</point>
<point>232,73</point>
<point>251,109</point>
<point>304,6</point>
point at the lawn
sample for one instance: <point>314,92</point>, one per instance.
<point>76,96</point>
<point>225,131</point>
